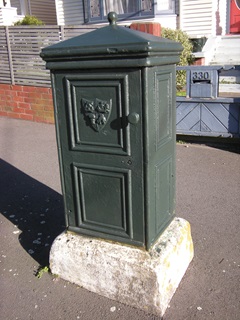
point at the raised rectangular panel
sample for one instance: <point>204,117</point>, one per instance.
<point>103,199</point>
<point>164,192</point>
<point>97,113</point>
<point>163,100</point>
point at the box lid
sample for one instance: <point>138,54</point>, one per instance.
<point>113,43</point>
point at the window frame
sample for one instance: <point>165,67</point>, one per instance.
<point>121,17</point>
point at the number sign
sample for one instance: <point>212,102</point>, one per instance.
<point>200,76</point>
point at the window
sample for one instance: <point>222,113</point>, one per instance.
<point>165,6</point>
<point>97,10</point>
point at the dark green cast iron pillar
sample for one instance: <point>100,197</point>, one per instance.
<point>114,99</point>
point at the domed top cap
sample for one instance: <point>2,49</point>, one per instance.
<point>112,18</point>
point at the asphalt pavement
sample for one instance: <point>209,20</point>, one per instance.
<point>31,216</point>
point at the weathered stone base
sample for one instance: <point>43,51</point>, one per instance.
<point>146,280</point>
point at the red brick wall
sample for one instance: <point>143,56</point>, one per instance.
<point>199,62</point>
<point>148,27</point>
<point>26,102</point>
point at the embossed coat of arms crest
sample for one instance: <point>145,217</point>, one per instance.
<point>97,112</point>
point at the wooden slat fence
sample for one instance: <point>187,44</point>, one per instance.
<point>5,54</point>
<point>20,47</point>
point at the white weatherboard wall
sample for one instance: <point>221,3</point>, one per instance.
<point>69,12</point>
<point>203,18</point>
<point>44,10</point>
<point>196,17</point>
<point>7,16</point>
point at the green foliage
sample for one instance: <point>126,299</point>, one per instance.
<point>29,21</point>
<point>182,37</point>
<point>41,271</point>
<point>181,93</point>
<point>186,57</point>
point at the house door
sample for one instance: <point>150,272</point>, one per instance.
<point>235,16</point>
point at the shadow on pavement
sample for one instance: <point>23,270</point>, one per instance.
<point>35,209</point>
<point>226,144</point>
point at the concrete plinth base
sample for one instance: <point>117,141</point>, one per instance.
<point>143,279</point>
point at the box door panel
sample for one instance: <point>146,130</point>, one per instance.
<point>101,148</point>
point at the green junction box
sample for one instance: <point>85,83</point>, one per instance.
<point>114,99</point>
